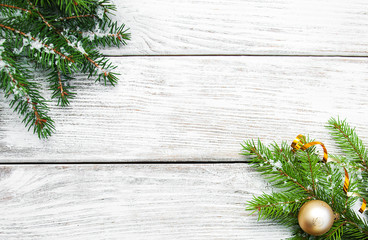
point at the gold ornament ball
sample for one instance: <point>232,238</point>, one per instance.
<point>316,217</point>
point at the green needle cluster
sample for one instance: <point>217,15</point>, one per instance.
<point>302,176</point>
<point>58,38</point>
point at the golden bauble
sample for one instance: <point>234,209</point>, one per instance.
<point>316,217</point>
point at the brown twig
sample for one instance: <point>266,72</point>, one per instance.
<point>63,93</point>
<point>34,39</point>
<point>342,224</point>
<point>38,12</point>
<point>353,223</point>
<point>96,65</point>
<point>13,79</point>
<point>39,121</point>
<point>78,16</point>
<point>283,154</point>
<point>115,35</point>
<point>15,7</point>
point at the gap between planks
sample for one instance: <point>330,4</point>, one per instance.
<point>238,55</point>
<point>154,162</point>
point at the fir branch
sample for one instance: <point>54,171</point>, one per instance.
<point>116,37</point>
<point>26,99</point>
<point>275,205</point>
<point>15,7</point>
<point>60,53</point>
<point>60,90</point>
<point>326,179</point>
<point>311,172</point>
<point>249,148</point>
<point>68,6</point>
<point>106,74</point>
<point>39,14</point>
<point>260,206</point>
<point>336,230</point>
<point>96,65</point>
<point>360,227</point>
<point>11,76</point>
<point>298,237</point>
<point>36,40</point>
<point>39,120</point>
<point>78,16</point>
<point>348,141</point>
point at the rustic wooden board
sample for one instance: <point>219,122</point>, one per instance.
<point>169,109</point>
<point>196,109</point>
<point>244,27</point>
<point>131,202</point>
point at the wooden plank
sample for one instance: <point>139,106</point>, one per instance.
<point>131,202</point>
<point>244,27</point>
<point>196,108</point>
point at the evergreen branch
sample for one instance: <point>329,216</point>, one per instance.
<point>78,16</point>
<point>26,99</point>
<point>297,237</point>
<point>108,39</point>
<point>42,17</point>
<point>348,141</point>
<point>46,22</point>
<point>65,50</point>
<point>305,168</point>
<point>346,204</point>
<point>11,76</point>
<point>39,120</point>
<point>63,94</point>
<point>250,149</point>
<point>311,172</point>
<point>336,231</point>
<point>36,40</point>
<point>66,39</point>
<point>260,206</point>
<point>60,90</point>
<point>100,68</point>
<point>68,6</point>
<point>15,7</point>
<point>342,161</point>
<point>276,205</point>
<point>96,65</point>
<point>362,228</point>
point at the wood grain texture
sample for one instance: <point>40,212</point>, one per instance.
<point>131,202</point>
<point>186,109</point>
<point>196,108</point>
<point>244,27</point>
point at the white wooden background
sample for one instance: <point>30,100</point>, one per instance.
<point>162,147</point>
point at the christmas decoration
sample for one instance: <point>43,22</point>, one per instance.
<point>57,38</point>
<point>320,197</point>
<point>316,217</point>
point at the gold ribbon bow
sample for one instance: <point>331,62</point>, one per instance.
<point>300,143</point>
